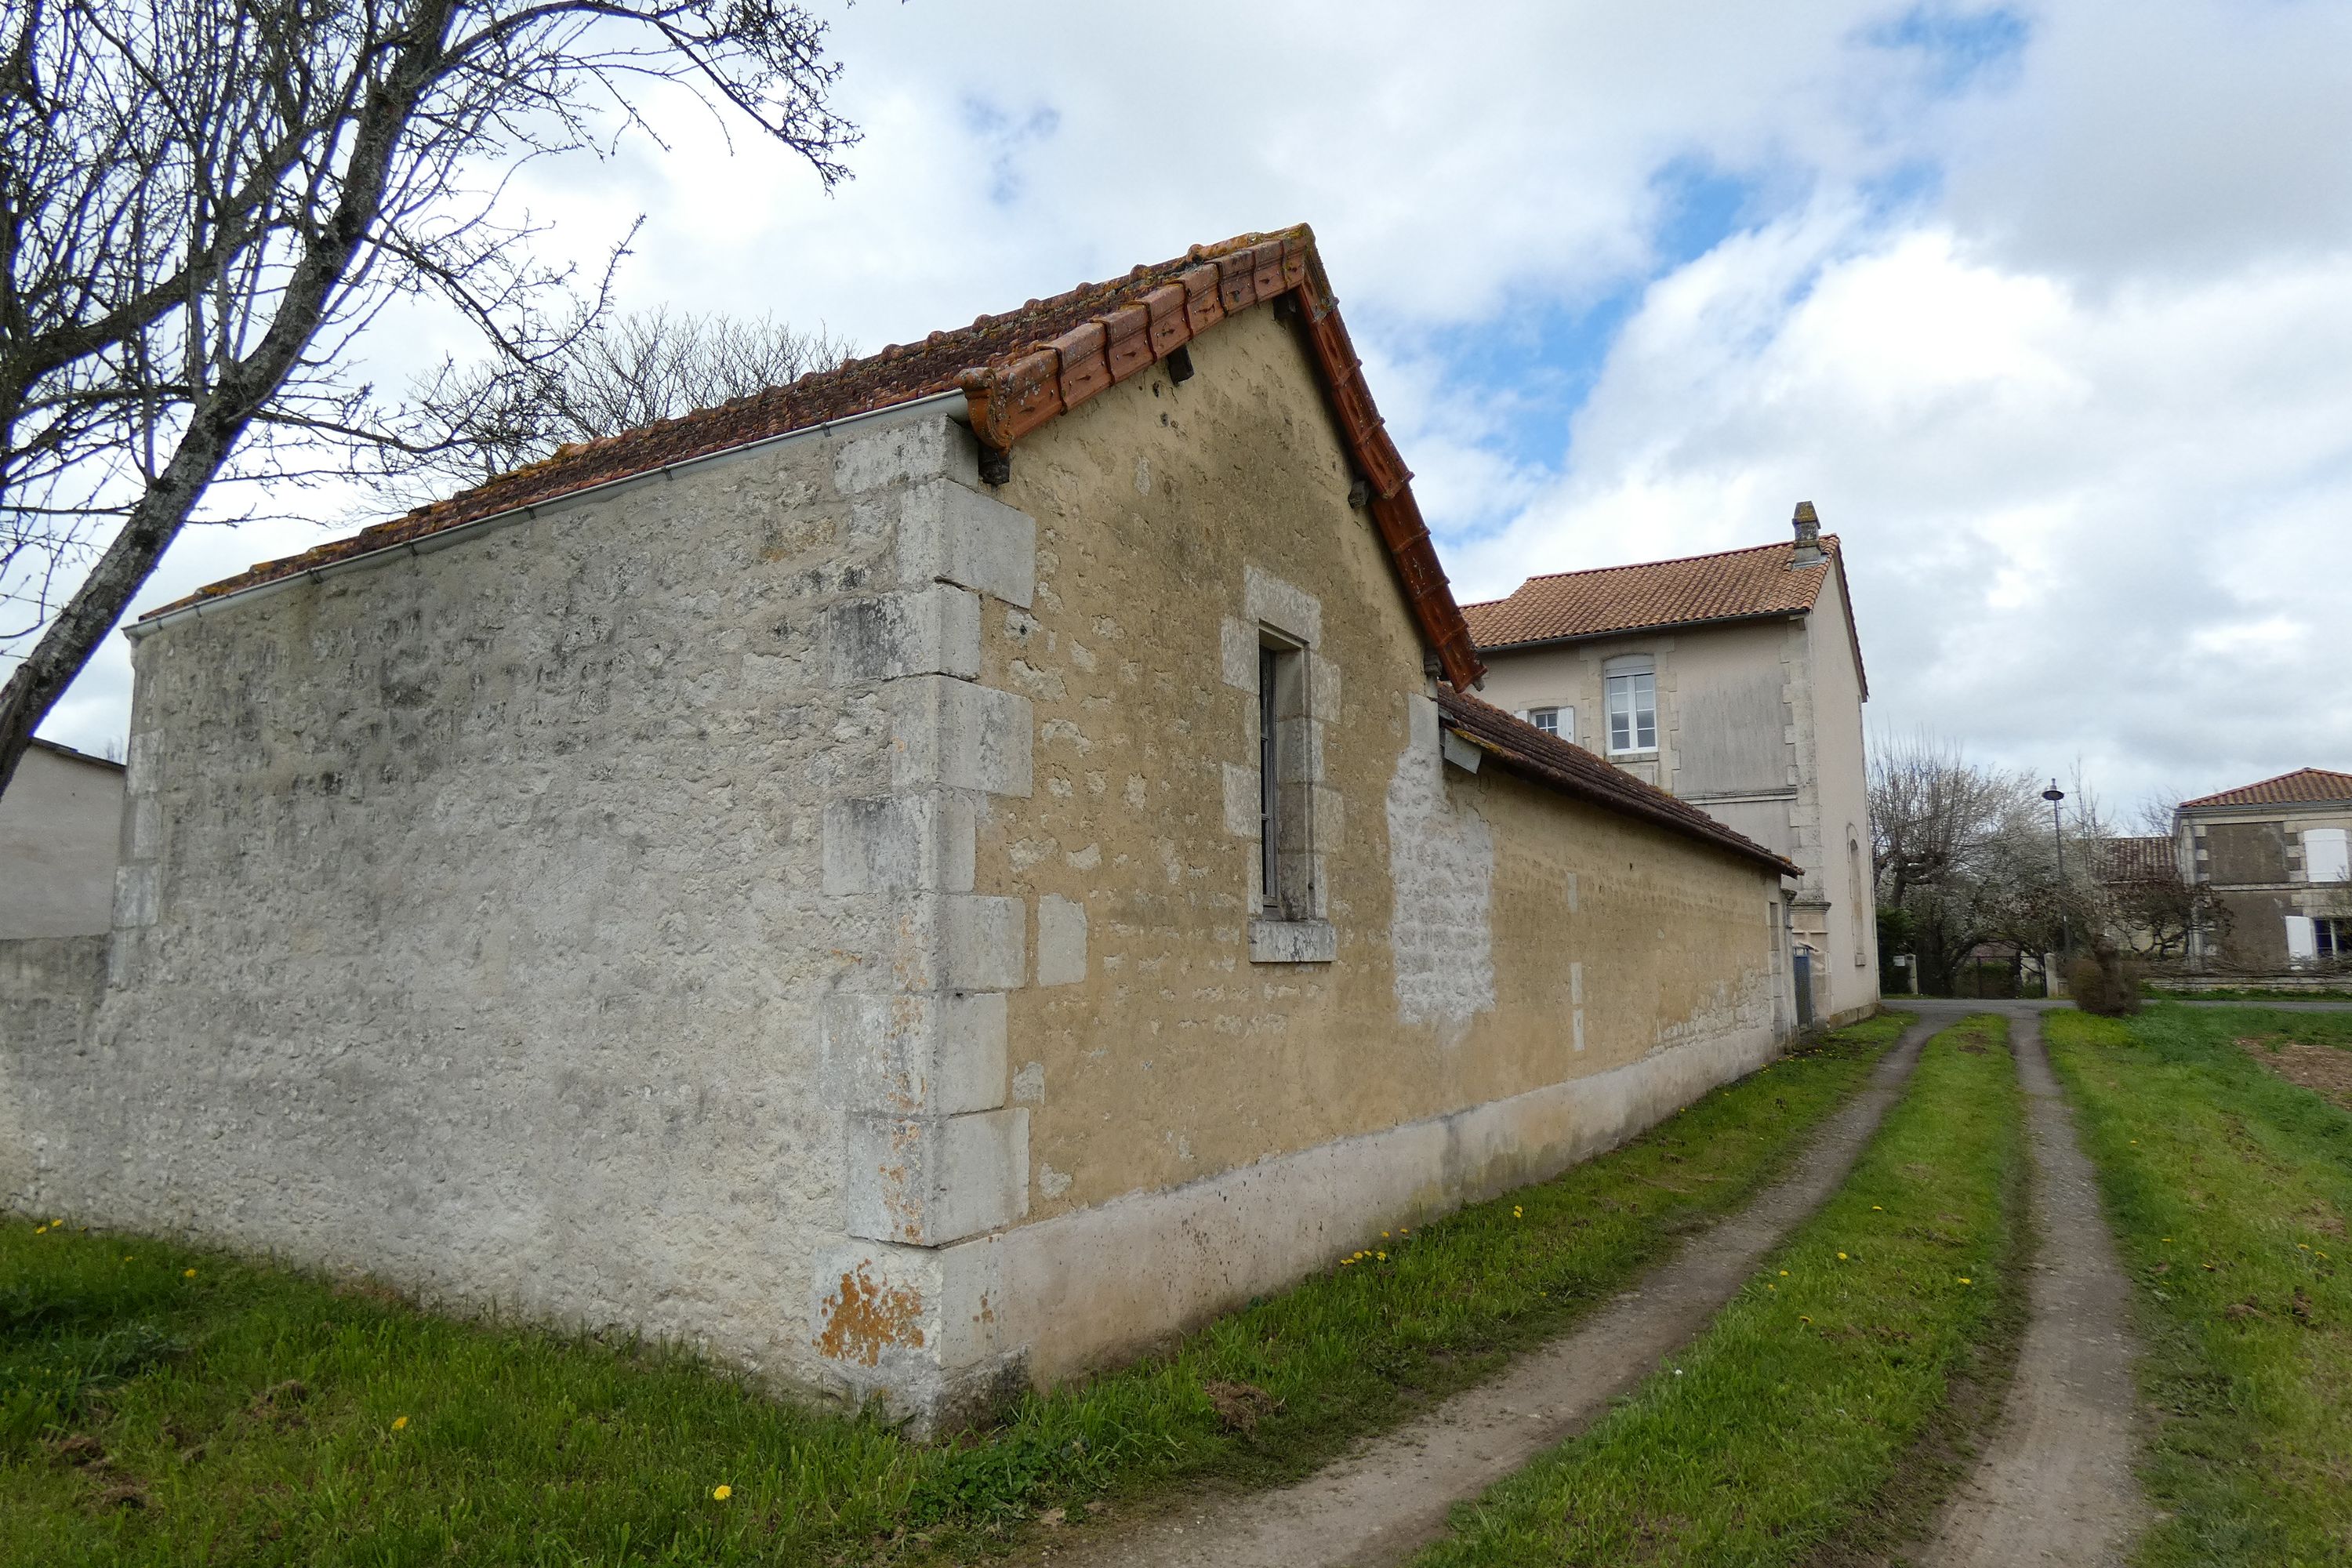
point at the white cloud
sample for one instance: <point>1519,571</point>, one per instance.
<point>2103,525</point>
<point>2059,346</point>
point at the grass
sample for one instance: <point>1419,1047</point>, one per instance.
<point>163,1405</point>
<point>1785,1427</point>
<point>2228,1189</point>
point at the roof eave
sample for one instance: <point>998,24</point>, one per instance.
<point>1535,644</point>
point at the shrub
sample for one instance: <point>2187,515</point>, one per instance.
<point>2105,982</point>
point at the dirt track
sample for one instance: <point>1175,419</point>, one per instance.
<point>2055,1484</point>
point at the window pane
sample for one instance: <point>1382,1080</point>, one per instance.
<point>1545,719</point>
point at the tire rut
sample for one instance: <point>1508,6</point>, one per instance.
<point>2056,1483</point>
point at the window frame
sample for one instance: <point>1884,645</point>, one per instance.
<point>1632,685</point>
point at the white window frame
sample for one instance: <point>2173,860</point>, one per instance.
<point>1563,721</point>
<point>1627,689</point>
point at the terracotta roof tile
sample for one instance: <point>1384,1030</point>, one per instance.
<point>1017,370</point>
<point>2138,860</point>
<point>1728,586</point>
<point>2318,785</point>
<point>1520,748</point>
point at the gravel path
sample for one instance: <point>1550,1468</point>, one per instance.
<point>2055,1484</point>
<point>1392,1493</point>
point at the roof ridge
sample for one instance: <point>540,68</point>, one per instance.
<point>2224,796</point>
<point>1016,372</point>
<point>1829,540</point>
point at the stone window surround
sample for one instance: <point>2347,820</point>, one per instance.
<point>1276,613</point>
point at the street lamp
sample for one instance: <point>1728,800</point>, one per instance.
<point>2053,795</point>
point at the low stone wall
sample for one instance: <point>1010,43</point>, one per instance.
<point>49,990</point>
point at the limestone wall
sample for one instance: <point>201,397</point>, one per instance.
<point>49,988</point>
<point>477,929</point>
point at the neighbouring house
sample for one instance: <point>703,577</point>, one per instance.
<point>1734,681</point>
<point>2153,914</point>
<point>60,823</point>
<point>919,882</point>
<point>2273,857</point>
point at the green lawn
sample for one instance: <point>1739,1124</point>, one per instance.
<point>2228,1189</point>
<point>1803,1419</point>
<point>159,1404</point>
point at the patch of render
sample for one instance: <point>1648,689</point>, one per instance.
<point>1442,869</point>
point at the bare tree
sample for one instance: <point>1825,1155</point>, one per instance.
<point>482,420</point>
<point>203,203</point>
<point>1961,853</point>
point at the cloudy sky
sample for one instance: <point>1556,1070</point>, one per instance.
<point>2048,308</point>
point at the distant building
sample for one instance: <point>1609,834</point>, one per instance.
<point>1734,681</point>
<point>60,821</point>
<point>2275,856</point>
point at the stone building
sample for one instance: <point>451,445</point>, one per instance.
<point>2274,859</point>
<point>58,822</point>
<point>923,880</point>
<point>1736,682</point>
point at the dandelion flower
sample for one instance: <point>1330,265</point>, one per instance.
<point>398,1422</point>
<point>126,1257</point>
<point>1516,1211</point>
<point>2303,1247</point>
<point>1769,1286</point>
<point>722,1491</point>
<point>1966,1281</point>
<point>39,1229</point>
<point>1381,1256</point>
<point>1384,1235</point>
<point>56,1225</point>
<point>1784,1274</point>
<point>1841,1258</point>
<point>187,1274</point>
<point>1347,1263</point>
<point>1803,1319</point>
<point>1878,1208</point>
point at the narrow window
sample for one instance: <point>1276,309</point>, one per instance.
<point>1545,719</point>
<point>1285,797</point>
<point>1269,783</point>
<point>1863,908</point>
<point>1634,711</point>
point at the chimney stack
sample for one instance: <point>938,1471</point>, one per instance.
<point>1809,552</point>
